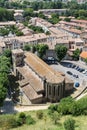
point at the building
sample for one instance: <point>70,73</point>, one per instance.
<point>18,17</point>
<point>83,56</point>
<point>50,11</point>
<point>38,81</point>
<point>19,42</point>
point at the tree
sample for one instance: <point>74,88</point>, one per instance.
<point>60,52</point>
<point>65,105</point>
<point>7,53</point>
<point>41,49</point>
<point>3,92</point>
<point>76,54</point>
<point>86,61</point>
<point>69,124</point>
<point>67,19</point>
<point>27,48</point>
<point>55,117</point>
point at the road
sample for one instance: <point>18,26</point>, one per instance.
<point>10,108</point>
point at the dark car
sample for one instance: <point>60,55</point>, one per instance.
<point>68,72</point>
<point>73,66</point>
<point>76,76</point>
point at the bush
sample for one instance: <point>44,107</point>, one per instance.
<point>69,124</point>
<point>55,117</point>
<point>79,107</point>
<point>20,121</point>
<point>29,120</point>
<point>76,109</point>
<point>22,115</point>
<point>64,106</point>
<point>21,118</point>
<point>39,114</point>
<point>52,108</point>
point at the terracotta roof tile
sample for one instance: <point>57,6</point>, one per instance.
<point>83,54</point>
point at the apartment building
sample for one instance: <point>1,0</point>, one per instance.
<point>21,41</point>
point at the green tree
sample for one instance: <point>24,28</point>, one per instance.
<point>86,61</point>
<point>3,92</point>
<point>76,54</point>
<point>67,19</point>
<point>64,106</point>
<point>69,124</point>
<point>27,48</point>
<point>41,49</point>
<point>60,52</point>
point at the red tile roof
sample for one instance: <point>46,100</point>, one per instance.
<point>83,54</point>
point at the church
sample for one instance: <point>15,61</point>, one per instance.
<point>38,82</point>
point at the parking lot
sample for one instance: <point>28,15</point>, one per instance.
<point>72,71</point>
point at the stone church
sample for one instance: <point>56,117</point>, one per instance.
<point>38,82</point>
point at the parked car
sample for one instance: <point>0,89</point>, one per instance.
<point>77,67</point>
<point>69,72</point>
<point>76,76</point>
<point>81,69</point>
<point>69,65</point>
<point>73,66</point>
<point>84,72</point>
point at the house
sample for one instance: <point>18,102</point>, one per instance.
<point>18,17</point>
<point>38,81</point>
<point>83,56</point>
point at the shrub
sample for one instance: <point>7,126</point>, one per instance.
<point>64,106</point>
<point>55,117</point>
<point>21,118</point>
<point>22,115</point>
<point>69,124</point>
<point>76,109</point>
<point>29,120</point>
<point>79,107</point>
<point>39,114</point>
<point>20,121</point>
<point>52,108</point>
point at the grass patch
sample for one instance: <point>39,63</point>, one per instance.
<point>47,123</point>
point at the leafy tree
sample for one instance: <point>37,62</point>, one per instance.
<point>4,64</point>
<point>60,52</point>
<point>76,54</point>
<point>19,33</point>
<point>28,12</point>
<point>4,31</point>
<point>67,19</point>
<point>69,124</point>
<point>27,48</point>
<point>86,60</point>
<point>36,29</point>
<point>8,54</point>
<point>64,106</point>
<point>3,93</point>
<point>41,49</point>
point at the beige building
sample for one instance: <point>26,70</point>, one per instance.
<point>39,82</point>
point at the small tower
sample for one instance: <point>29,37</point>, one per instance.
<point>17,58</point>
